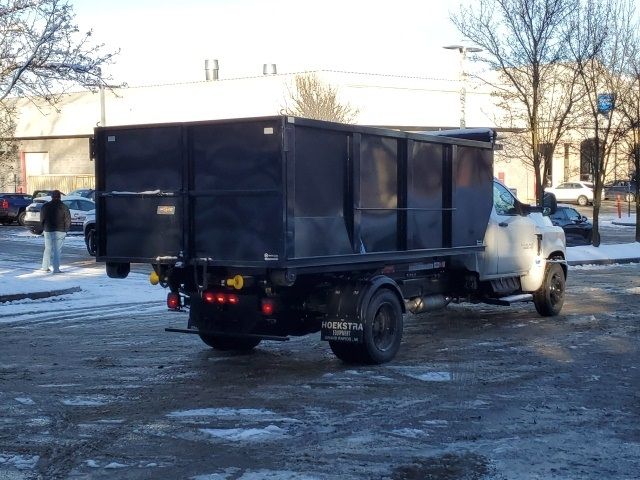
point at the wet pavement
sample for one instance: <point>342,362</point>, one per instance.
<point>476,392</point>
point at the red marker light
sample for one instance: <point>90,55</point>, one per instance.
<point>209,297</point>
<point>267,307</point>
<point>221,298</point>
<point>233,299</point>
<point>173,301</point>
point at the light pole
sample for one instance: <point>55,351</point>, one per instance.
<point>462,50</point>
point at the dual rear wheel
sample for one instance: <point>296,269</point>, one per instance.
<point>382,333</point>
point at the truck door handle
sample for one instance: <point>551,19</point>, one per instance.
<point>503,224</point>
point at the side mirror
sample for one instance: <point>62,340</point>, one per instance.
<point>549,200</point>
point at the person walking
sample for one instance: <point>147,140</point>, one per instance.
<point>56,221</point>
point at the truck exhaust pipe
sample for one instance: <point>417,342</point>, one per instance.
<point>427,303</point>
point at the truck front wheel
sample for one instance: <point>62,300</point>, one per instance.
<point>382,332</point>
<point>550,296</point>
<point>241,344</point>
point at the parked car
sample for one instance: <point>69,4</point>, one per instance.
<point>89,229</point>
<point>78,207</point>
<point>576,192</point>
<point>577,228</point>
<point>44,193</point>
<point>84,192</point>
<point>625,188</point>
<point>13,207</point>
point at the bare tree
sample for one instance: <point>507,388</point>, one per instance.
<point>602,46</point>
<point>43,54</point>
<point>630,109</point>
<point>525,43</point>
<point>313,98</point>
<point>9,161</point>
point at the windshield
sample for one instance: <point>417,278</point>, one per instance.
<point>573,215</point>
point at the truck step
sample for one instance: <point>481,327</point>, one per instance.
<point>225,334</point>
<point>510,299</point>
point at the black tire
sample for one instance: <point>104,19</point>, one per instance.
<point>90,241</point>
<point>117,270</point>
<point>20,218</point>
<point>382,332</point>
<point>550,296</point>
<point>239,344</point>
<point>583,201</point>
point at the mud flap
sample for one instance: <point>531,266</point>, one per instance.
<point>347,309</point>
<point>343,322</point>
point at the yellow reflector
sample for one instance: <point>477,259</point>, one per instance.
<point>236,282</point>
<point>153,278</point>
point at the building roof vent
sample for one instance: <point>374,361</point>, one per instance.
<point>211,69</point>
<point>269,69</point>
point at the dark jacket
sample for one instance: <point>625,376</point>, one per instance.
<point>55,217</point>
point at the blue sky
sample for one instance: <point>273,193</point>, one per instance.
<point>167,41</point>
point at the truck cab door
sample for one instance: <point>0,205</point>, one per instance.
<point>514,234</point>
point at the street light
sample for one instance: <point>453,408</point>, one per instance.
<point>462,50</point>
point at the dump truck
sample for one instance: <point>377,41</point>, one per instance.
<point>267,228</point>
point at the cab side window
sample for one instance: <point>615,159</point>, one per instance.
<point>503,200</point>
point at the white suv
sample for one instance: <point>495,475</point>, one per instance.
<point>576,192</point>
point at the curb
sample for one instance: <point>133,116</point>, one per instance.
<point>623,223</point>
<point>602,261</point>
<point>38,295</point>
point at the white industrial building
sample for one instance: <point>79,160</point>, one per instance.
<point>54,143</point>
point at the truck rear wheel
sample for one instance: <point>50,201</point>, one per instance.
<point>382,332</point>
<point>117,270</point>
<point>21,216</point>
<point>241,344</point>
<point>550,296</point>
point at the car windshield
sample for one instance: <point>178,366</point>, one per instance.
<point>572,214</point>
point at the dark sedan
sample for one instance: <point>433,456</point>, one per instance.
<point>577,228</point>
<point>626,189</point>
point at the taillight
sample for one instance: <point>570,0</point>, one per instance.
<point>267,306</point>
<point>5,203</point>
<point>220,298</point>
<point>173,301</point>
<point>209,297</point>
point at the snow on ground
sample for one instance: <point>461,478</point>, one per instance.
<point>613,252</point>
<point>95,289</point>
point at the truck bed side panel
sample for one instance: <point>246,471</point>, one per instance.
<point>472,194</point>
<point>424,196</point>
<point>136,162</point>
<point>237,197</point>
<point>321,193</point>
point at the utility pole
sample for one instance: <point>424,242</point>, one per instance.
<point>462,50</point>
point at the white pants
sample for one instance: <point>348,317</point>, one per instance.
<point>52,248</point>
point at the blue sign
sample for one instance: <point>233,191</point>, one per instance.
<point>606,102</point>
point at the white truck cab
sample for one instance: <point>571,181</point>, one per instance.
<point>525,254</point>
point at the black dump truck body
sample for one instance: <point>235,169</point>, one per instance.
<point>270,227</point>
<point>282,192</point>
